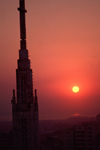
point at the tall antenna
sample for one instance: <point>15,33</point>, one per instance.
<point>22,11</point>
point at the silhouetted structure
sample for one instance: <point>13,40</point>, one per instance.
<point>25,107</point>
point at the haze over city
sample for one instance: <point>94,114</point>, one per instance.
<point>63,42</point>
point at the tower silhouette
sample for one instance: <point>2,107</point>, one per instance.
<point>25,106</point>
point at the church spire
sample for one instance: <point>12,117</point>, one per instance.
<point>22,11</point>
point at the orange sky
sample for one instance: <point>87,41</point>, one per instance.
<point>63,42</point>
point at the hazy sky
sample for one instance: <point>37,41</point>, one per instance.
<point>63,39</point>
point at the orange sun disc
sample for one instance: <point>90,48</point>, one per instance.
<point>75,89</point>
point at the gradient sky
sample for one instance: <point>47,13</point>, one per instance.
<point>63,39</point>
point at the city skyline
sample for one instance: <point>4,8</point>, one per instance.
<point>63,41</point>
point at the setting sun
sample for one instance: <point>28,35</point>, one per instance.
<point>75,89</point>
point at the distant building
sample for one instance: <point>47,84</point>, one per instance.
<point>69,139</point>
<point>98,118</point>
<point>83,137</point>
<point>25,106</point>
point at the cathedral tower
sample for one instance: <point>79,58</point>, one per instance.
<point>25,106</point>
